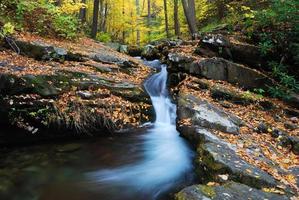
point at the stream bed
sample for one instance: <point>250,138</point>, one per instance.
<point>152,162</point>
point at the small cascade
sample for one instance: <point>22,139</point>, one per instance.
<point>167,159</point>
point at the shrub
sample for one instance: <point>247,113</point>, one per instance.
<point>45,18</point>
<point>8,29</point>
<point>288,83</point>
<point>103,37</point>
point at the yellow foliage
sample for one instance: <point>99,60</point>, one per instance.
<point>71,6</point>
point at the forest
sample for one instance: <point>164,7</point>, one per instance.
<point>149,99</point>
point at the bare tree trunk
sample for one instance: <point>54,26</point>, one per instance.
<point>104,28</point>
<point>101,15</point>
<point>138,14</point>
<point>189,10</point>
<point>82,13</point>
<point>94,28</point>
<point>123,24</point>
<point>166,19</point>
<point>220,4</point>
<point>176,18</point>
<point>149,17</point>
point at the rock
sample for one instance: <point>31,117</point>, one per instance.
<point>150,52</point>
<point>276,133</point>
<point>203,84</point>
<point>68,148</point>
<point>221,69</point>
<point>293,100</point>
<point>216,43</point>
<point>85,94</point>
<point>295,172</point>
<point>295,144</point>
<point>100,67</point>
<point>284,140</point>
<point>294,119</point>
<point>221,93</point>
<point>262,128</point>
<point>175,78</point>
<point>291,112</point>
<point>134,51</point>
<point>228,191</point>
<point>291,126</point>
<point>3,64</point>
<point>225,104</point>
<point>43,51</point>
<point>230,48</point>
<point>206,115</point>
<point>123,49</point>
<point>217,157</point>
<point>247,54</point>
<point>179,58</point>
<point>60,52</point>
<point>107,58</point>
<point>215,40</point>
<point>39,84</point>
<point>266,105</point>
<point>113,45</point>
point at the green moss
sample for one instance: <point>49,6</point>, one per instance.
<point>208,191</point>
<point>181,196</point>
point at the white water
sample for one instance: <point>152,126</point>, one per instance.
<point>167,158</point>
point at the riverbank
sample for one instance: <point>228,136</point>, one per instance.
<point>55,88</point>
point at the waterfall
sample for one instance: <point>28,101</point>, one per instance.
<point>167,158</point>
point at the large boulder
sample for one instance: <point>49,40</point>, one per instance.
<point>230,48</point>
<point>221,69</point>
<point>43,51</point>
<point>217,157</point>
<point>150,52</point>
<point>228,191</point>
<point>205,114</point>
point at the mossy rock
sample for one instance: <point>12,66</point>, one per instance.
<point>228,191</point>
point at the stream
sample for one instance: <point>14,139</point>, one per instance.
<point>152,162</point>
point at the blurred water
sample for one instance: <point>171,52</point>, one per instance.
<point>167,158</point>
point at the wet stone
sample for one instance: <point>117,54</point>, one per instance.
<point>229,191</point>
<point>207,115</point>
<point>219,157</point>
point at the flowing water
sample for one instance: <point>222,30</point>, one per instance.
<point>148,164</point>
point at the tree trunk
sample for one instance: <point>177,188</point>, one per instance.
<point>176,18</point>
<point>149,18</point>
<point>101,15</point>
<point>94,28</point>
<point>189,10</point>
<point>138,14</point>
<point>104,28</point>
<point>123,23</point>
<point>166,19</point>
<point>220,9</point>
<point>82,13</point>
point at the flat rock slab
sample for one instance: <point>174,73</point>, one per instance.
<point>218,157</point>
<point>204,114</point>
<point>221,69</point>
<point>229,191</point>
